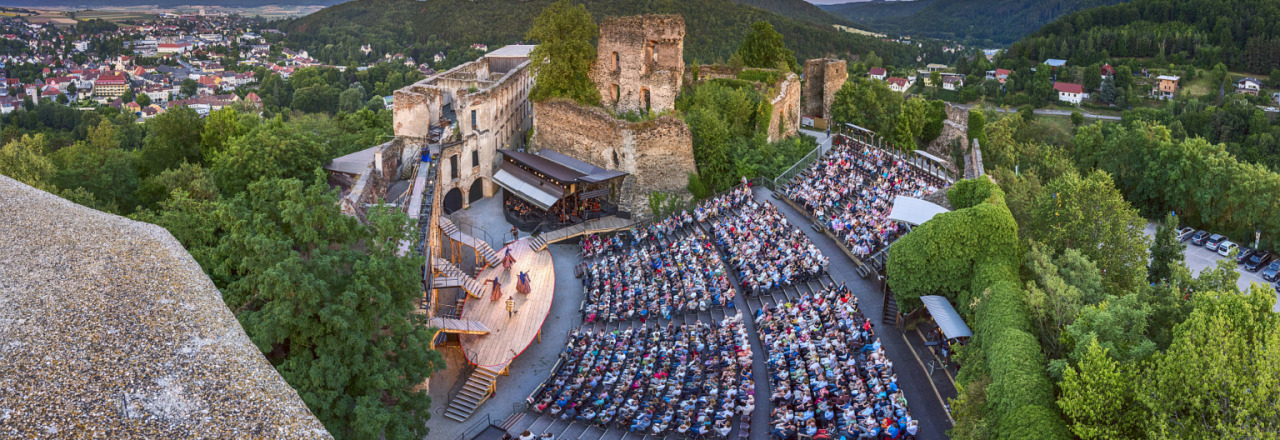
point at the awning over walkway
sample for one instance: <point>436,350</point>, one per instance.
<point>946,317</point>
<point>913,211</point>
<point>542,195</point>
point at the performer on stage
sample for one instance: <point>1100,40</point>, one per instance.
<point>507,259</point>
<point>522,285</point>
<point>497,289</point>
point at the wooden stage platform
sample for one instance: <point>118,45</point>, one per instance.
<point>508,337</point>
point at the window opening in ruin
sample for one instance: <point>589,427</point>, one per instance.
<point>475,158</point>
<point>473,120</point>
<point>647,108</point>
<point>617,65</point>
<point>453,167</point>
<point>648,55</point>
<point>617,93</point>
<point>615,158</point>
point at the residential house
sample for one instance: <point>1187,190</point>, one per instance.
<point>934,67</point>
<point>1068,92</point>
<point>877,73</point>
<point>1249,86</point>
<point>1002,75</point>
<point>1107,70</point>
<point>172,48</point>
<point>1166,87</point>
<point>952,82</point>
<point>898,84</point>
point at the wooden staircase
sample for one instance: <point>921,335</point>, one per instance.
<point>451,230</point>
<point>890,315</point>
<point>479,387</point>
<point>538,243</point>
<point>449,275</point>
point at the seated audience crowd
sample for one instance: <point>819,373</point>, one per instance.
<point>690,379</point>
<point>851,191</point>
<point>712,207</point>
<point>766,251</point>
<point>657,279</point>
<point>829,375</point>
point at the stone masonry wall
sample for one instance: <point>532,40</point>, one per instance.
<point>784,122</point>
<point>639,54</point>
<point>657,154</point>
<point>954,128</point>
<point>823,77</point>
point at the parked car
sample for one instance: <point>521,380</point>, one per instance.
<point>1245,253</point>
<point>1213,242</point>
<point>1257,261</point>
<point>1184,234</point>
<point>1226,247</point>
<point>1270,272</point>
<point>1199,237</point>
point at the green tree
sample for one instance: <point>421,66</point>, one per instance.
<point>977,127</point>
<point>192,179</point>
<point>935,79</point>
<point>1092,78</point>
<point>1077,118</point>
<point>273,149</point>
<point>910,123</point>
<point>1108,92</point>
<point>1099,398</point>
<point>220,127</point>
<point>23,160</point>
<point>565,52</point>
<point>1090,215</point>
<point>351,99</point>
<point>763,47</point>
<point>1166,251</point>
<point>1275,77</point>
<point>143,100</point>
<point>173,137</point>
<point>331,304</point>
<point>1027,112</point>
<point>189,87</point>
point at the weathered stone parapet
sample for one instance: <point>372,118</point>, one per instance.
<point>784,120</point>
<point>657,154</point>
<point>639,62</point>
<point>823,77</point>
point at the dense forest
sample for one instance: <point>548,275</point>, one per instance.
<point>421,28</point>
<point>1243,34</point>
<point>797,9</point>
<point>981,22</point>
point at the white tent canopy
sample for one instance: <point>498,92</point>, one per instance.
<point>532,193</point>
<point>913,211</point>
<point>946,317</point>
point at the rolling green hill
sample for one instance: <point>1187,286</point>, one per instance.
<point>1242,34</point>
<point>797,9</point>
<point>982,22</point>
<point>422,28</point>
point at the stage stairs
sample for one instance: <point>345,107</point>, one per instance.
<point>460,326</point>
<point>451,230</point>
<point>448,275</point>
<point>479,387</point>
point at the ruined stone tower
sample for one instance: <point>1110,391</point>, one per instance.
<point>639,62</point>
<point>823,77</point>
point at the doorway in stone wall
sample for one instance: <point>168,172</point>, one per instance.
<point>477,191</point>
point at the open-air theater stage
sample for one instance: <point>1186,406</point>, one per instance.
<point>508,337</point>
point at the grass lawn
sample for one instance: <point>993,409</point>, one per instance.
<point>113,15</point>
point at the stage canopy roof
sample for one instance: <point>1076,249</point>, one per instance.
<point>563,168</point>
<point>527,186</point>
<point>913,211</point>
<point>946,317</point>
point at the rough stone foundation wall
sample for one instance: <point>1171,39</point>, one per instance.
<point>415,108</point>
<point>657,154</point>
<point>823,77</point>
<point>784,121</point>
<point>954,128</point>
<point>639,53</point>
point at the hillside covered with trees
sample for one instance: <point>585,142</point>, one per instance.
<point>420,29</point>
<point>1242,34</point>
<point>797,9</point>
<point>984,22</point>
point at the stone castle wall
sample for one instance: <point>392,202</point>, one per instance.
<point>639,62</point>
<point>784,121</point>
<point>657,154</point>
<point>954,129</point>
<point>823,77</point>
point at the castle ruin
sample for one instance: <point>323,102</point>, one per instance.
<point>823,77</point>
<point>639,62</point>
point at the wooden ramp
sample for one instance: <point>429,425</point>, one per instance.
<point>593,226</point>
<point>450,325</point>
<point>451,230</point>
<point>449,275</point>
<point>479,387</point>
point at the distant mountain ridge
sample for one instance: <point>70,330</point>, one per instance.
<point>421,28</point>
<point>797,9</point>
<point>981,22</point>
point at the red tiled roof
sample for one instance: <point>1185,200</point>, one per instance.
<point>111,80</point>
<point>1002,72</point>
<point>1068,87</point>
<point>897,81</point>
<point>877,71</point>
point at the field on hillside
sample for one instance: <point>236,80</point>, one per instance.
<point>114,16</point>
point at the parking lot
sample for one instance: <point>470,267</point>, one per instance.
<point>1198,258</point>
